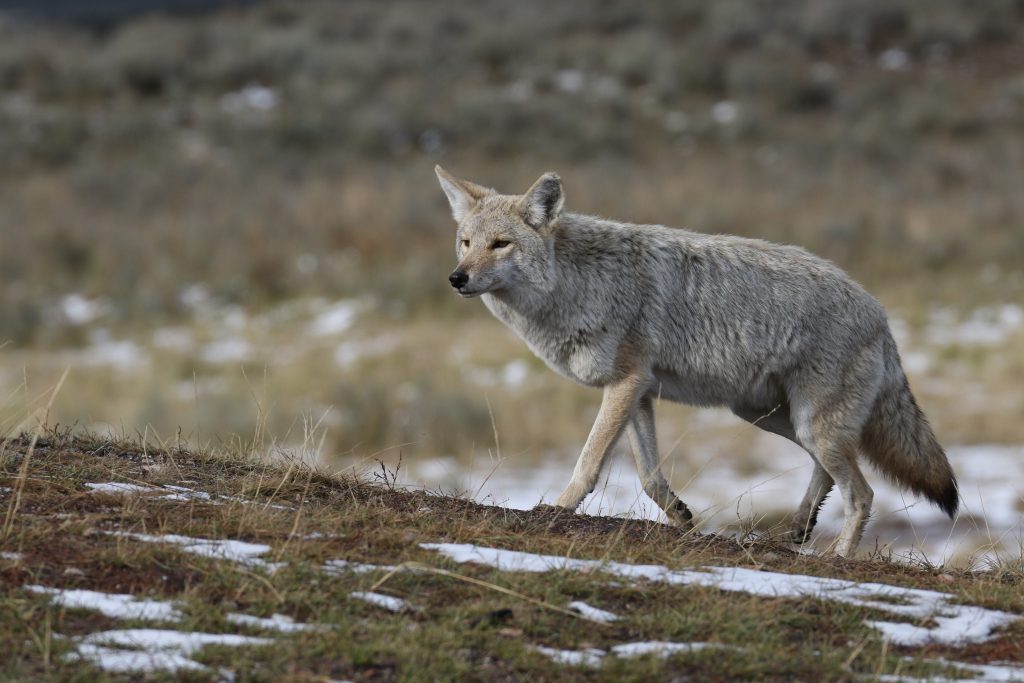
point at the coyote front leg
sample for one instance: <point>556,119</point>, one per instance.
<point>617,408</point>
<point>645,452</point>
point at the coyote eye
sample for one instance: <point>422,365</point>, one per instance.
<point>465,243</point>
<point>499,244</point>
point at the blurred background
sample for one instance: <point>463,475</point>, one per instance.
<point>222,217</point>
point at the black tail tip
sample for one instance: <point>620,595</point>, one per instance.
<point>949,500</point>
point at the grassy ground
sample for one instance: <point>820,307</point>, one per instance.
<point>465,622</point>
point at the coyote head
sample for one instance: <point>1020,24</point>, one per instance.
<point>503,242</point>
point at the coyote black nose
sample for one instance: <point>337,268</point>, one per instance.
<point>458,279</point>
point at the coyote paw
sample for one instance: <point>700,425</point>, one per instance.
<point>679,515</point>
<point>800,532</point>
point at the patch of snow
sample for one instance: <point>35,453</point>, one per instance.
<point>593,656</point>
<point>276,622</point>
<point>123,354</point>
<point>725,112</point>
<point>388,602</point>
<point>954,624</point>
<point>241,552</point>
<point>133,661</point>
<point>569,80</point>
<point>987,673</point>
<point>592,613</point>
<point>348,353</point>
<point>342,566</point>
<point>185,494</point>
<point>156,649</point>
<point>81,311</point>
<point>894,59</point>
<point>660,648</point>
<point>253,97</point>
<point>178,493</point>
<point>119,487</point>
<point>983,673</point>
<point>335,319</point>
<point>233,349</point>
<point>316,536</point>
<point>11,557</point>
<point>986,326</point>
<point>514,373</point>
<point>113,605</point>
<point>195,296</point>
<point>511,375</point>
<point>589,657</point>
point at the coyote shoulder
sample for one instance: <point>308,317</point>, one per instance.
<point>783,338</point>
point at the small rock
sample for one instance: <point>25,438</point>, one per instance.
<point>74,571</point>
<point>946,578</point>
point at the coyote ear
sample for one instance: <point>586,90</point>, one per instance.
<point>462,194</point>
<point>542,203</point>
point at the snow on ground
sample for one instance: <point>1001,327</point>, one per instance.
<point>113,605</point>
<point>119,487</point>
<point>149,650</point>
<point>589,657</point>
<point>986,326</point>
<point>276,622</point>
<point>334,320</point>
<point>335,567</point>
<point>657,647</point>
<point>953,624</point>
<point>121,354</point>
<point>177,493</point>
<point>592,613</point>
<point>388,602</point>
<point>593,656</point>
<point>241,552</point>
<point>145,650</point>
<point>977,673</point>
<point>227,349</point>
<point>11,557</point>
<point>720,494</point>
<point>986,673</point>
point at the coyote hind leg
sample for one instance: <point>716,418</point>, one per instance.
<point>776,421</point>
<point>644,443</point>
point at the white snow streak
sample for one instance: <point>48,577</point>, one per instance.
<point>592,613</point>
<point>242,552</point>
<point>156,649</point>
<point>953,624</point>
<point>113,605</point>
<point>276,622</point>
<point>380,600</point>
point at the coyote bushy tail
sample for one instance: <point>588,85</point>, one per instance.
<point>898,440</point>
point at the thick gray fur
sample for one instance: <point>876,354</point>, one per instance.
<point>783,338</point>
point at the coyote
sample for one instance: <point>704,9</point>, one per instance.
<point>783,338</point>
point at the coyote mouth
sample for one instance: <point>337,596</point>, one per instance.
<point>468,293</point>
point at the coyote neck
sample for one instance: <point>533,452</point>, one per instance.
<point>576,341</point>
